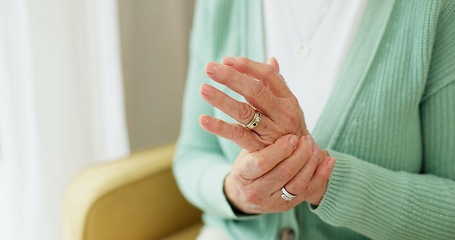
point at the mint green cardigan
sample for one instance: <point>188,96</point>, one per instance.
<point>390,123</point>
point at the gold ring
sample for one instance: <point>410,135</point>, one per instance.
<point>254,121</point>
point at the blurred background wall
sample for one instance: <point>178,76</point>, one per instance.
<point>66,70</point>
<point>154,42</point>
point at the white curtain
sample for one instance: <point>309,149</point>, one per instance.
<point>61,106</point>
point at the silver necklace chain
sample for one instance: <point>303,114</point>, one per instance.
<point>303,47</point>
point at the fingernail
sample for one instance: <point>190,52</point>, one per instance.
<point>204,119</point>
<point>230,61</point>
<point>331,161</point>
<point>206,90</point>
<point>293,140</point>
<point>212,67</point>
<point>309,139</point>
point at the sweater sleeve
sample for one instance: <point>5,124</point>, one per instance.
<point>199,164</point>
<point>384,204</point>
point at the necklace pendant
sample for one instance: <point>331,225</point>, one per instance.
<point>302,50</point>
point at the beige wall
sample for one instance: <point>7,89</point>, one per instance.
<point>154,36</point>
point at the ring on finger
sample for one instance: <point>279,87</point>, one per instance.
<point>254,121</point>
<point>286,195</point>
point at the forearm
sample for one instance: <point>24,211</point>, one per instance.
<point>200,175</point>
<point>383,204</point>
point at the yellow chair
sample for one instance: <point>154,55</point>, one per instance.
<point>135,198</point>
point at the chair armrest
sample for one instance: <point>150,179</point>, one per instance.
<point>132,198</point>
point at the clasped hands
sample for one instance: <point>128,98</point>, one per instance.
<point>277,153</point>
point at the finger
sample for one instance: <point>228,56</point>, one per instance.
<point>240,111</point>
<point>256,164</point>
<point>299,183</point>
<point>278,204</point>
<point>267,73</point>
<point>254,91</point>
<point>318,184</point>
<point>244,138</point>
<point>274,63</point>
<point>286,169</point>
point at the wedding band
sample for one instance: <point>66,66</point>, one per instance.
<point>254,121</point>
<point>286,195</point>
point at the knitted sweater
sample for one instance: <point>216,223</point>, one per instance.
<point>390,124</point>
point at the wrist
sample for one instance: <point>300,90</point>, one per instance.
<point>229,194</point>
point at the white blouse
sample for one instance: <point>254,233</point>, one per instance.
<point>328,28</point>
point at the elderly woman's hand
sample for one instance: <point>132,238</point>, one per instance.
<point>263,88</point>
<point>274,164</point>
<point>255,183</point>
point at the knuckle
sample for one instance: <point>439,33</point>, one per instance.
<point>260,163</point>
<point>245,112</point>
<point>309,191</point>
<point>252,196</point>
<point>238,133</point>
<point>258,89</point>
<point>243,62</point>
<point>268,70</point>
<point>263,166</point>
<point>291,116</point>
<point>301,186</point>
<point>293,101</point>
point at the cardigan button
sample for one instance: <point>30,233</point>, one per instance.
<point>287,234</point>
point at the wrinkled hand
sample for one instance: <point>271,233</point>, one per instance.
<point>273,155</point>
<point>263,88</point>
<point>254,184</point>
